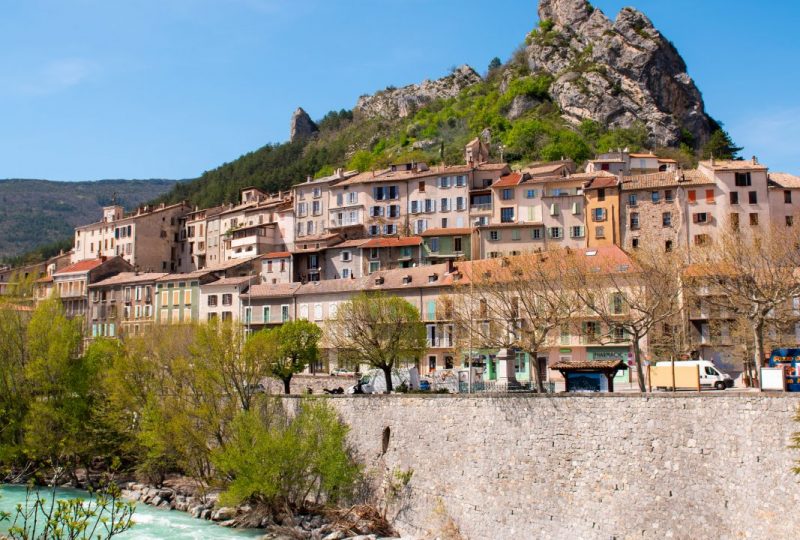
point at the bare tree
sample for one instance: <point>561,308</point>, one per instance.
<point>632,295</point>
<point>515,303</point>
<point>754,275</point>
<point>378,330</point>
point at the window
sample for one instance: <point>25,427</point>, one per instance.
<point>668,195</point>
<point>187,296</point>
<point>352,198</point>
<point>752,197</point>
<point>601,194</point>
<point>507,194</point>
<point>789,221</point>
<point>434,245</point>
<point>340,199</point>
<point>457,244</point>
<point>536,234</point>
<point>632,199</point>
<point>617,303</point>
<point>575,231</point>
<point>515,235</point>
<point>444,182</point>
<point>635,243</point>
<point>600,232</point>
<point>316,208</point>
<point>787,197</point>
<point>346,273</point>
<point>710,196</point>
<point>284,313</point>
<point>390,228</point>
<point>666,219</point>
<point>555,209</point>
<point>655,196</point>
<point>316,193</point>
<point>634,220</point>
<point>374,266</point>
<point>269,267</point>
<point>734,197</point>
<point>394,210</point>
<point>227,299</point>
<point>445,204</point>
<point>692,196</point>
<point>576,208</point>
<point>700,217</point>
<point>347,256</point>
<point>317,312</point>
<point>429,205</point>
<point>494,236</point>
<point>743,179</point>
<point>461,181</point>
<point>248,315</point>
<point>530,194</point>
<point>506,215</point>
<point>176,298</point>
<point>753,219</point>
<point>460,203</point>
<point>265,315</point>
<point>598,214</point>
<point>556,232</point>
<point>701,239</point>
<point>668,246</point>
<point>374,230</point>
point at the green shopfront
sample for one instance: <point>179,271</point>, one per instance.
<point>612,353</point>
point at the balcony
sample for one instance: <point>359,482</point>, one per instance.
<point>339,224</point>
<point>481,208</point>
<point>439,343</point>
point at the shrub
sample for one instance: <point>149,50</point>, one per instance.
<point>277,461</point>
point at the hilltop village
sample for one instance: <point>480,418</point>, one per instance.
<point>413,231</point>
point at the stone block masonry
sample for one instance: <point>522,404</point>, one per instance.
<point>595,466</point>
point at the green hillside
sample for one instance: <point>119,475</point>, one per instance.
<point>41,213</point>
<point>440,129</point>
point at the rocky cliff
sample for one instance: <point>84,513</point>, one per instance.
<point>616,73</point>
<point>301,127</point>
<point>401,102</point>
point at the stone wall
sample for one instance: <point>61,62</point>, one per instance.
<point>595,466</point>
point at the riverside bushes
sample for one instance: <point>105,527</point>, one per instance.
<point>178,399</point>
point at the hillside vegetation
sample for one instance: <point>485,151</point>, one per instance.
<point>511,107</point>
<point>43,214</point>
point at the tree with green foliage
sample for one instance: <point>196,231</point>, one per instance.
<point>378,330</point>
<point>296,346</point>
<point>283,462</point>
<point>720,146</point>
<point>494,64</point>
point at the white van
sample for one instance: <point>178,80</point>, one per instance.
<point>709,374</point>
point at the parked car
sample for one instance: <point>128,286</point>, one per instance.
<point>709,374</point>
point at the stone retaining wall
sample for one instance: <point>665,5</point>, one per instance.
<point>594,466</point>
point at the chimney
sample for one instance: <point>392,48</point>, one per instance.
<point>451,267</point>
<point>308,178</point>
<point>755,160</point>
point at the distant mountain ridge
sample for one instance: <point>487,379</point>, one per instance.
<point>38,212</point>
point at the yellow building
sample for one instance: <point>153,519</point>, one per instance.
<point>602,196</point>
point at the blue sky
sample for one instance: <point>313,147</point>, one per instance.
<point>95,89</point>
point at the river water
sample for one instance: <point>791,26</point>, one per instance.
<point>151,523</point>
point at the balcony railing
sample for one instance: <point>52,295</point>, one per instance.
<point>479,208</point>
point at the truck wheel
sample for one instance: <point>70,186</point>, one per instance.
<point>719,385</point>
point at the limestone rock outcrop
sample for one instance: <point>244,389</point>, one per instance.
<point>402,102</point>
<point>302,127</point>
<point>616,73</point>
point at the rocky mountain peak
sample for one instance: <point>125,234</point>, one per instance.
<point>616,73</point>
<point>402,102</point>
<point>301,127</point>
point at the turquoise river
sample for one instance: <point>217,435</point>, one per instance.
<point>151,523</point>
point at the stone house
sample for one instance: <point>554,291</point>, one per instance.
<point>149,238</point>
<point>123,304</point>
<point>222,299</point>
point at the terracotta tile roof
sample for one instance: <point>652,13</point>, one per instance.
<point>385,280</point>
<point>82,266</point>
<point>666,160</point>
<point>189,275</point>
<point>277,255</point>
<point>642,156</point>
<point>358,242</point>
<point>271,290</point>
<point>785,180</point>
<point>591,175</point>
<point>547,168</point>
<point>665,179</point>
<point>492,166</point>
<point>393,242</point>
<point>129,277</point>
<point>567,365</point>
<point>734,165</point>
<point>572,179</point>
<point>46,279</point>
<point>508,180</point>
<point>449,231</point>
<point>227,265</point>
<point>229,281</point>
<point>388,175</point>
<point>602,182</point>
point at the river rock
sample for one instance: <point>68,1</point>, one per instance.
<point>224,514</point>
<point>335,535</point>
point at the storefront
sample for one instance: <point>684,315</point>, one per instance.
<point>611,353</point>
